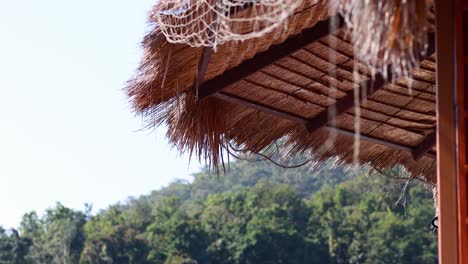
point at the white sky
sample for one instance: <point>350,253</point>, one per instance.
<point>67,132</point>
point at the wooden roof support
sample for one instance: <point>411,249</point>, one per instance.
<point>299,119</point>
<point>345,103</point>
<point>379,141</point>
<point>370,86</point>
<point>215,86</point>
<point>207,51</point>
<point>205,58</point>
<point>447,154</point>
<point>273,54</point>
<point>202,67</point>
<point>277,52</point>
<point>426,144</point>
<point>260,107</point>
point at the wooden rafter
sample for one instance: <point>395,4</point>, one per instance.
<point>207,51</point>
<point>345,103</point>
<point>260,107</point>
<point>268,57</point>
<point>378,141</point>
<point>426,144</point>
<point>215,86</point>
<point>369,86</point>
<point>202,67</point>
<point>299,119</point>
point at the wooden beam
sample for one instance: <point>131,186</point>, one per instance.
<point>377,140</point>
<point>446,134</point>
<point>369,86</point>
<point>320,120</point>
<point>426,144</point>
<point>207,51</point>
<point>205,57</point>
<point>345,103</point>
<point>202,67</point>
<point>461,64</point>
<point>300,119</point>
<point>260,107</point>
<point>216,85</point>
<point>273,54</point>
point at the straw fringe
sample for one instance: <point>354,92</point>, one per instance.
<point>388,32</point>
<point>300,84</point>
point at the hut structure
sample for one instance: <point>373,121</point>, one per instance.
<point>221,77</point>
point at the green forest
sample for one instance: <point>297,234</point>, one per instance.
<point>255,213</point>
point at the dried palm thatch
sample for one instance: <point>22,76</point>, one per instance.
<point>394,31</point>
<point>286,88</point>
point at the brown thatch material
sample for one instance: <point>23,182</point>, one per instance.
<point>305,83</point>
<point>392,29</point>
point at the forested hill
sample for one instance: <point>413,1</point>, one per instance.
<point>257,213</point>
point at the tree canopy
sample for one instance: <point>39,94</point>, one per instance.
<point>256,213</point>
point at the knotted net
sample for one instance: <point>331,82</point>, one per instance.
<point>211,23</point>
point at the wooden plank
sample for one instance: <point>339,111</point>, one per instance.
<point>378,141</point>
<point>426,144</point>
<point>260,107</point>
<point>206,56</point>
<point>370,139</point>
<point>370,87</point>
<point>202,67</point>
<point>446,137</point>
<point>273,54</point>
<point>345,103</point>
<point>292,44</point>
<point>461,90</point>
<point>303,120</point>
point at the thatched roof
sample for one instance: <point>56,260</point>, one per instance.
<point>281,88</point>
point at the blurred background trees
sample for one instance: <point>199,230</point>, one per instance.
<point>256,213</point>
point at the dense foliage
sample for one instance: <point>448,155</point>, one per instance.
<point>257,213</point>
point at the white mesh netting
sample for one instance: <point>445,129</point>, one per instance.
<point>211,23</point>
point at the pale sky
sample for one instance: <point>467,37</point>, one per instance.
<point>67,132</point>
